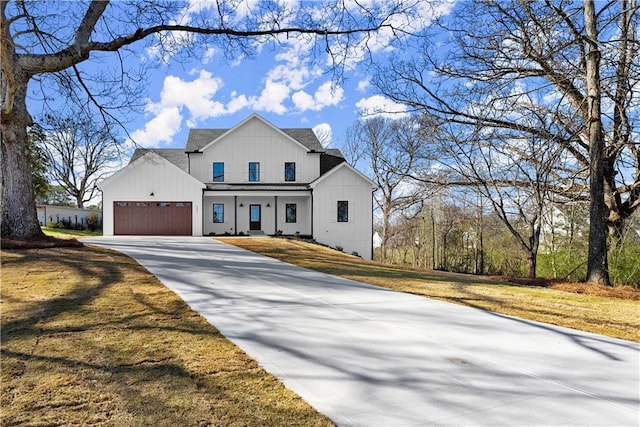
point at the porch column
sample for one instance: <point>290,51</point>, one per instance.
<point>235,214</point>
<point>312,213</point>
<point>275,215</point>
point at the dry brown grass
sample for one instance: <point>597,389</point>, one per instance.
<point>609,311</point>
<point>91,338</point>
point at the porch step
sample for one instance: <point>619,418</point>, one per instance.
<point>256,233</point>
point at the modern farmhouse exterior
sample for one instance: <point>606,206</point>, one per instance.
<point>251,179</point>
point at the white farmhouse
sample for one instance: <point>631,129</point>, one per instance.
<point>251,179</point>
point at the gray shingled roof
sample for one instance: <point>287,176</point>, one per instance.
<point>177,156</point>
<point>334,152</point>
<point>198,138</point>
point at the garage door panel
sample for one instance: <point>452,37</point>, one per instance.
<point>152,218</point>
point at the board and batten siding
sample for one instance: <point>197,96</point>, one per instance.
<point>355,235</point>
<point>255,141</point>
<point>151,174</point>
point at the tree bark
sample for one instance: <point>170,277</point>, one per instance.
<point>597,262</point>
<point>19,215</point>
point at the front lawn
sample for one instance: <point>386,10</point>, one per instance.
<point>603,310</point>
<point>89,337</point>
<point>62,233</point>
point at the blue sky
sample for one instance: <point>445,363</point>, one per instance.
<point>285,90</point>
<point>282,84</point>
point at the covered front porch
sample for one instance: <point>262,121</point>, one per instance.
<point>257,212</point>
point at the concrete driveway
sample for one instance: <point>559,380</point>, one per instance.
<point>366,356</point>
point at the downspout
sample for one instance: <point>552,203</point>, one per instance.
<point>202,213</point>
<point>312,213</point>
<point>372,222</point>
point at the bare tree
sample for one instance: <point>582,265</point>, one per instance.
<point>570,60</point>
<point>44,40</point>
<point>393,151</point>
<point>80,152</point>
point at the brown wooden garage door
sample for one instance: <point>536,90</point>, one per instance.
<point>152,218</point>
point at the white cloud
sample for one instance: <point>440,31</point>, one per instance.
<point>324,132</point>
<point>380,105</point>
<point>272,98</point>
<point>364,84</point>
<point>296,78</point>
<point>237,103</point>
<point>196,96</point>
<point>303,100</point>
<point>325,96</point>
<point>178,97</point>
<point>159,130</point>
<point>208,55</point>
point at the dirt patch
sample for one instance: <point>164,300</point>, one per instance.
<point>43,243</point>
<point>622,292</point>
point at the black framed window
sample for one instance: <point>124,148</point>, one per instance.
<point>254,171</point>
<point>218,213</point>
<point>290,171</point>
<point>343,211</point>
<point>291,211</point>
<point>218,172</point>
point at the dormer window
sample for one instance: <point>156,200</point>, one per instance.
<point>290,171</point>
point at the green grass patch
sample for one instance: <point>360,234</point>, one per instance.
<point>604,310</point>
<point>62,233</point>
<point>89,337</point>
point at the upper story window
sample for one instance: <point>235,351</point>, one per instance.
<point>218,172</point>
<point>343,211</point>
<point>290,171</point>
<point>254,171</point>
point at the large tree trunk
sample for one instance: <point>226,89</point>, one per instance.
<point>386,229</point>
<point>532,259</point>
<point>597,262</point>
<point>19,216</point>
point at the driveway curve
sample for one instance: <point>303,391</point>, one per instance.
<point>367,356</point>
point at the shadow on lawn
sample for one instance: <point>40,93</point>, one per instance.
<point>82,262</point>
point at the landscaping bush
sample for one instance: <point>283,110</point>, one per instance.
<point>624,264</point>
<point>93,221</point>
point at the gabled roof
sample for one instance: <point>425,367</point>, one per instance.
<point>200,138</point>
<point>157,157</point>
<point>346,165</point>
<point>176,156</point>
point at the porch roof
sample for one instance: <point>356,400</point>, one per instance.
<point>258,193</point>
<point>276,187</point>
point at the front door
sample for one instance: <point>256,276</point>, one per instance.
<point>254,217</point>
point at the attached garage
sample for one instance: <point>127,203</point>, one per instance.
<point>152,218</point>
<point>153,195</point>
